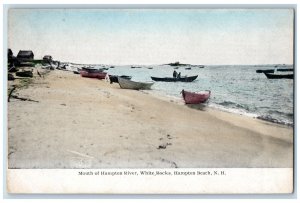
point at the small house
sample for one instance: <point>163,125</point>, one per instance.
<point>47,58</point>
<point>25,55</point>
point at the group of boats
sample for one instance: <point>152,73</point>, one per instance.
<point>278,73</point>
<point>125,82</point>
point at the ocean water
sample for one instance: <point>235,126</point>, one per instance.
<point>234,88</point>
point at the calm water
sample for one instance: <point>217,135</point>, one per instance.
<point>236,89</point>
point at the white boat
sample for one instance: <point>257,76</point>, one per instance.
<point>129,84</point>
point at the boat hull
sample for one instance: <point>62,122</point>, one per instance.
<point>128,84</point>
<point>279,76</point>
<point>195,98</point>
<point>98,75</point>
<point>181,79</point>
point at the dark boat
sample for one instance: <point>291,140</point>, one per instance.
<point>195,97</point>
<point>91,70</point>
<point>173,79</point>
<point>265,71</point>
<point>188,68</point>
<point>285,69</point>
<point>114,78</point>
<point>279,76</point>
<point>25,74</point>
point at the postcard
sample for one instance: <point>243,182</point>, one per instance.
<point>150,100</point>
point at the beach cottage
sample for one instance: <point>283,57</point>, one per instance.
<point>25,55</point>
<point>47,58</point>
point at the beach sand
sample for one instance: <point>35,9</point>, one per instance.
<point>89,123</point>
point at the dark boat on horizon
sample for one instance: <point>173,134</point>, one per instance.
<point>265,71</point>
<point>279,76</point>
<point>173,79</point>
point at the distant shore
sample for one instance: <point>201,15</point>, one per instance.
<point>87,123</point>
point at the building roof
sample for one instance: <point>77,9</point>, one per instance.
<point>25,53</point>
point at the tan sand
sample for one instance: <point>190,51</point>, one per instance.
<point>88,123</point>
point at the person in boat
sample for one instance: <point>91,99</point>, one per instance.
<point>179,75</point>
<point>174,74</point>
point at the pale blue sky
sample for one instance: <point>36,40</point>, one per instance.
<point>147,36</point>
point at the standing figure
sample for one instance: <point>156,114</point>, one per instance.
<point>174,74</point>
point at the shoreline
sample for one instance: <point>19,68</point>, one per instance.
<point>85,123</point>
<point>178,100</point>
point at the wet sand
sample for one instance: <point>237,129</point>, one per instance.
<point>89,123</point>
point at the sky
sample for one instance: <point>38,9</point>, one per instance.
<point>155,36</point>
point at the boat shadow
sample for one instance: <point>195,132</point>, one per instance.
<point>200,107</point>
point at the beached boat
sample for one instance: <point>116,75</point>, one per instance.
<point>99,75</point>
<point>25,74</point>
<point>195,97</point>
<point>175,79</point>
<point>128,84</point>
<point>91,70</point>
<point>114,78</point>
<point>279,76</point>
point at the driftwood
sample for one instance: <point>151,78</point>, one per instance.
<point>16,97</point>
<point>10,93</point>
<point>23,99</point>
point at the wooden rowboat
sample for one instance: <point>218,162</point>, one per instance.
<point>174,79</point>
<point>129,84</point>
<point>195,97</point>
<point>99,75</point>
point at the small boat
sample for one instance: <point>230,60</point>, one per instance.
<point>195,97</point>
<point>91,70</point>
<point>176,67</point>
<point>112,67</point>
<point>200,66</point>
<point>150,68</point>
<point>265,71</point>
<point>175,79</point>
<point>25,74</point>
<point>99,75</point>
<point>285,69</point>
<point>128,84</point>
<point>188,68</point>
<point>114,78</point>
<point>279,76</point>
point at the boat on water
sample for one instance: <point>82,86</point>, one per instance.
<point>265,71</point>
<point>129,84</point>
<point>195,97</point>
<point>175,79</point>
<point>114,78</point>
<point>277,69</point>
<point>188,68</point>
<point>285,69</point>
<point>279,76</point>
<point>99,75</point>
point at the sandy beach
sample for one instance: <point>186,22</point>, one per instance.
<point>89,123</point>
